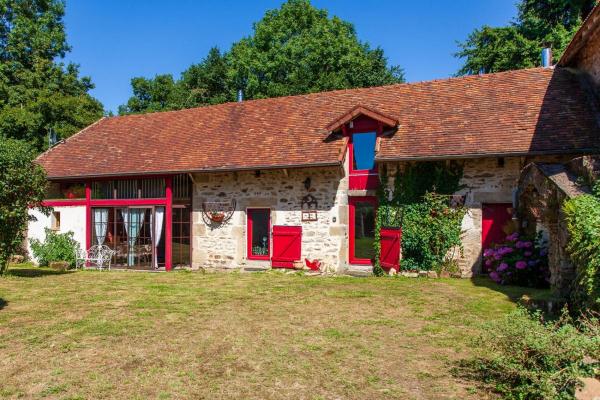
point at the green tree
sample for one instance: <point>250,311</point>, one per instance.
<point>22,185</point>
<point>299,49</point>
<point>36,92</point>
<point>539,24</point>
<point>295,49</point>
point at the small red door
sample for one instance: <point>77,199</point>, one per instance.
<point>287,246</point>
<point>494,220</point>
<point>390,248</point>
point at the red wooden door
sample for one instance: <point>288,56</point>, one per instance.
<point>390,248</point>
<point>287,246</point>
<point>495,218</point>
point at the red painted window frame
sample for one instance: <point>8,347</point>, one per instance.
<point>351,215</point>
<point>249,222</point>
<point>362,179</point>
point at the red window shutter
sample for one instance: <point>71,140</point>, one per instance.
<point>390,248</point>
<point>287,246</point>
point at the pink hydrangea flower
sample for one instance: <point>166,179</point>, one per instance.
<point>519,245</point>
<point>512,237</point>
<point>528,254</point>
<point>527,244</point>
<point>489,263</point>
<point>488,252</point>
<point>502,267</point>
<point>495,277</point>
<point>521,265</point>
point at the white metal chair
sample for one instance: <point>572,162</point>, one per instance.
<point>98,256</point>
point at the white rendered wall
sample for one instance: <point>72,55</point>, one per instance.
<point>72,218</point>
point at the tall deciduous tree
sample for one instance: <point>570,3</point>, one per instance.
<point>540,23</point>
<point>36,92</point>
<point>22,185</point>
<point>295,49</point>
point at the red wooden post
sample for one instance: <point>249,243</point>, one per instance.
<point>88,215</point>
<point>169,223</point>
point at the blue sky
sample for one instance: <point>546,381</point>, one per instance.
<point>114,41</point>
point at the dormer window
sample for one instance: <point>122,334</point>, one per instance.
<point>363,145</point>
<point>363,127</point>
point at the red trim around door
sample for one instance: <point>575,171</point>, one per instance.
<point>169,223</point>
<point>249,255</point>
<point>351,214</point>
<point>88,215</point>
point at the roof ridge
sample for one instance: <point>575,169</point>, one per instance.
<point>356,90</point>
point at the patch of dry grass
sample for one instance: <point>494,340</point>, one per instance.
<point>93,335</point>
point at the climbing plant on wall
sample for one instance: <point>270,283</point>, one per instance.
<point>420,203</point>
<point>582,215</point>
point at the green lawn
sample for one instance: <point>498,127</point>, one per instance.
<point>140,335</point>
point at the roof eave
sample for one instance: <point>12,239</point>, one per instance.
<point>486,155</point>
<point>197,170</point>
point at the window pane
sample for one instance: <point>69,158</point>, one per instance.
<point>364,230</point>
<point>153,188</point>
<point>260,232</point>
<point>69,191</point>
<point>103,190</point>
<point>127,189</point>
<point>364,150</point>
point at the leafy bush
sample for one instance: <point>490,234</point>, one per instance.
<point>519,261</point>
<point>430,229</point>
<point>524,357</point>
<point>582,215</point>
<point>22,185</point>
<point>56,247</point>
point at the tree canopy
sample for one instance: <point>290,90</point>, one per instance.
<point>293,50</point>
<point>22,185</point>
<point>37,93</point>
<point>539,24</point>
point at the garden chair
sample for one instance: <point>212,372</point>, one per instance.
<point>98,256</point>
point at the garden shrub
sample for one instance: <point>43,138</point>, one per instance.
<point>430,229</point>
<point>582,215</point>
<point>420,204</point>
<point>22,186</point>
<point>56,247</point>
<point>519,261</point>
<point>524,357</point>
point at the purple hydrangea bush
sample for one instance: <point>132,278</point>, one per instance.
<point>521,261</point>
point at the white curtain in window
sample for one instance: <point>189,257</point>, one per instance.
<point>156,231</point>
<point>133,219</point>
<point>101,224</point>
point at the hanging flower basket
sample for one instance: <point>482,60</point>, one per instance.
<point>217,217</point>
<point>217,212</point>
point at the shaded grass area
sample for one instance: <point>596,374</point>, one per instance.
<point>93,335</point>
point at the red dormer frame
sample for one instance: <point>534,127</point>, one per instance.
<point>361,119</point>
<point>362,179</point>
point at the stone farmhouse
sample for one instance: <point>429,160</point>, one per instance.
<point>267,183</point>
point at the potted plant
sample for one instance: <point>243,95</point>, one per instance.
<point>217,217</point>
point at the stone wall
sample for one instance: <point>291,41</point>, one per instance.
<point>485,180</point>
<point>223,246</point>
<point>588,58</point>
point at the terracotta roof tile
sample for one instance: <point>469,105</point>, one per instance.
<point>517,112</point>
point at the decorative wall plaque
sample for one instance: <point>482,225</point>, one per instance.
<point>309,207</point>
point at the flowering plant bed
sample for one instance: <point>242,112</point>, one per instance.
<point>519,261</point>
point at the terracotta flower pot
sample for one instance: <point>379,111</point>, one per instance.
<point>217,217</point>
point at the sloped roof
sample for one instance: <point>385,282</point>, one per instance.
<point>589,28</point>
<point>517,112</point>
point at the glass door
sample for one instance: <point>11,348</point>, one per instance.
<point>130,231</point>
<point>362,229</point>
